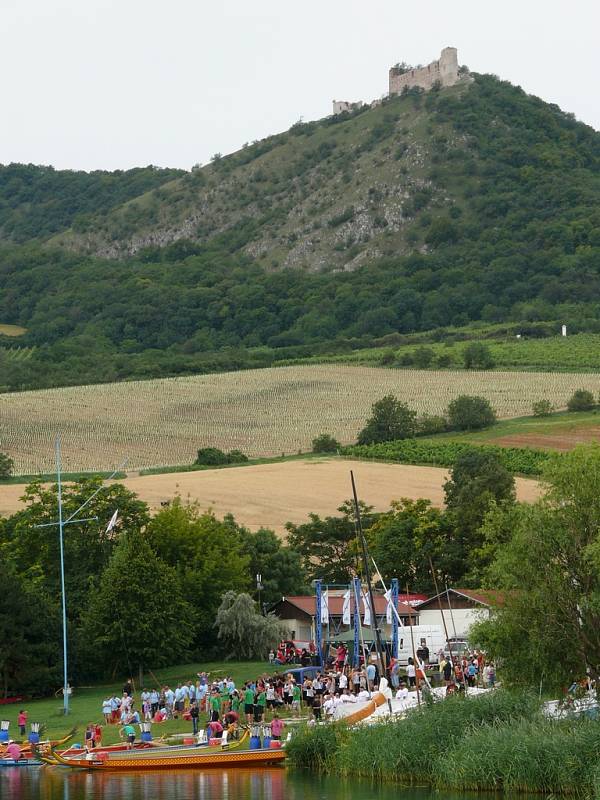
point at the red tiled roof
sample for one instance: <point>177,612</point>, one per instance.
<point>308,604</point>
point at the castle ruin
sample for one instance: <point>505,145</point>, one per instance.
<point>443,72</point>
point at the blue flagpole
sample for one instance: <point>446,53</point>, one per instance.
<point>394,598</point>
<point>318,631</point>
<point>356,584</point>
<point>62,580</point>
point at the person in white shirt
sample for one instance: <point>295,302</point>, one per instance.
<point>402,692</point>
<point>343,681</point>
<point>363,695</point>
<point>329,705</point>
<point>347,697</point>
<point>169,701</point>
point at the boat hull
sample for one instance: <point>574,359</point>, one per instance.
<point>224,760</point>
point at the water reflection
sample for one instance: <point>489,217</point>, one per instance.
<point>44,783</point>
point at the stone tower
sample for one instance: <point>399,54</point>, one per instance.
<point>443,71</point>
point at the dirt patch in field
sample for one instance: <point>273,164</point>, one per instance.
<point>564,441</point>
<point>269,495</point>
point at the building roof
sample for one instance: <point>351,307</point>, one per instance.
<point>483,597</point>
<point>308,605</point>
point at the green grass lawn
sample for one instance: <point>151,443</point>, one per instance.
<point>86,703</point>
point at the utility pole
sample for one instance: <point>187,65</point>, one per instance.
<point>61,523</point>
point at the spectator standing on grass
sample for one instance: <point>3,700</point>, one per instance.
<point>128,731</point>
<point>296,699</point>
<point>411,673</point>
<point>107,710</point>
<point>22,722</point>
<point>194,714</point>
<point>248,703</point>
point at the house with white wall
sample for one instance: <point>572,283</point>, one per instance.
<point>460,608</point>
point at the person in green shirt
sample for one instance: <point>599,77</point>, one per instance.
<point>215,706</point>
<point>296,698</point>
<point>235,702</point>
<point>248,703</point>
<point>129,731</point>
<point>260,705</point>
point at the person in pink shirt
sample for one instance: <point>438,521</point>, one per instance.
<point>22,722</point>
<point>276,727</point>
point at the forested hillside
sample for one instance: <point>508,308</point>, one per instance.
<point>472,203</point>
<point>37,202</point>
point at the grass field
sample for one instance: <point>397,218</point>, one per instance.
<point>12,330</point>
<point>270,495</point>
<point>262,412</point>
<point>86,703</point>
<point>580,352</point>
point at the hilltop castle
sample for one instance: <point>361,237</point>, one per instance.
<point>401,78</point>
<point>444,71</point>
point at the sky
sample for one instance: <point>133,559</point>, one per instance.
<point>113,84</point>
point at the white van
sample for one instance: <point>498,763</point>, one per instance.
<point>431,636</point>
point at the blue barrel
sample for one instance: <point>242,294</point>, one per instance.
<point>4,736</point>
<point>254,738</point>
<point>146,736</point>
<point>266,737</point>
<point>34,738</point>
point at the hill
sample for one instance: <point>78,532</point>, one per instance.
<point>475,203</point>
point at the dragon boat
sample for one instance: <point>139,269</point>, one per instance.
<point>170,758</point>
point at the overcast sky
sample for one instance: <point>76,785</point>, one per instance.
<point>107,84</point>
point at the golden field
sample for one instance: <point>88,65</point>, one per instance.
<point>270,495</point>
<point>262,412</point>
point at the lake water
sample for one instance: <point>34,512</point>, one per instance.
<point>50,783</point>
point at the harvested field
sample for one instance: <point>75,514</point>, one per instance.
<point>261,412</point>
<point>272,494</point>
<point>562,441</point>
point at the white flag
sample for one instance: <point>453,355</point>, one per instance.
<point>113,522</point>
<point>367,617</point>
<point>325,608</point>
<point>346,609</point>
<point>388,608</point>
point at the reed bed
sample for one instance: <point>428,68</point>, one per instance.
<point>495,742</point>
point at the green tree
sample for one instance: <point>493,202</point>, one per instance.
<point>87,546</point>
<point>403,539</point>
<point>324,443</point>
<point>281,567</point>
<point>208,556</point>
<point>581,400</point>
<point>6,466</point>
<point>245,633</point>
<point>211,457</point>
<point>547,623</point>
<point>327,546</point>
<point>477,480</point>
<point>467,413</point>
<point>390,419</point>
<point>542,408</point>
<point>477,355</point>
<point>29,632</point>
<point>137,616</point>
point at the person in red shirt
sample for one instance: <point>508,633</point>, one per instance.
<point>216,729</point>
<point>22,722</point>
<point>13,751</point>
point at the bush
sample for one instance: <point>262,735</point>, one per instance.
<point>444,360</point>
<point>429,424</point>
<point>468,413</point>
<point>542,408</point>
<point>236,457</point>
<point>213,457</point>
<point>324,443</point>
<point>6,466</point>
<point>423,357</point>
<point>524,460</point>
<point>477,355</point>
<point>582,400</point>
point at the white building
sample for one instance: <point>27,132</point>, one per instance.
<point>460,609</point>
